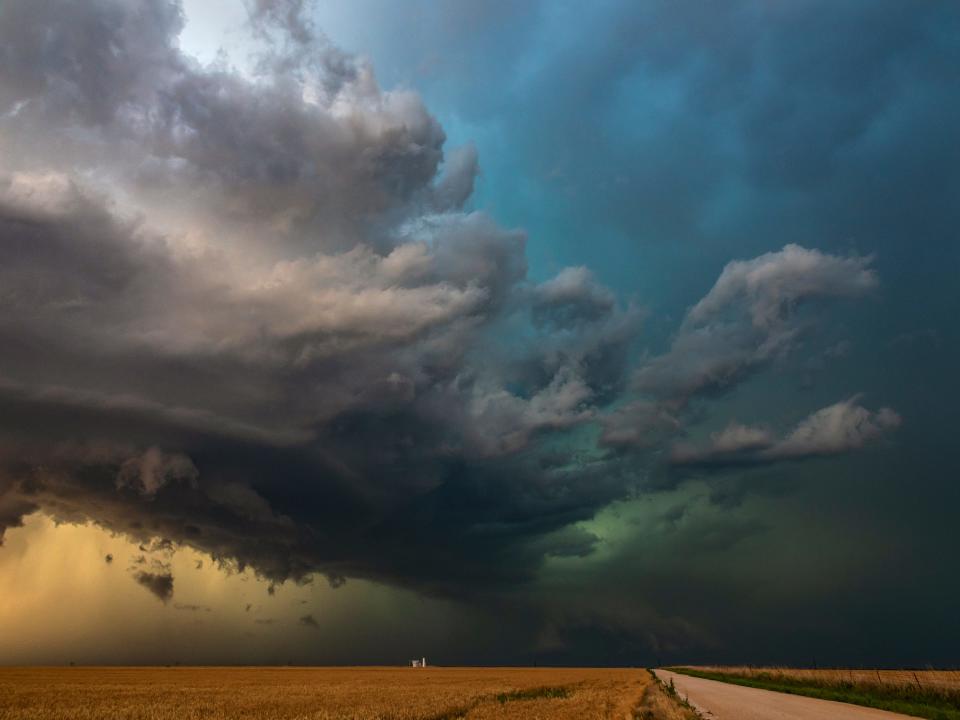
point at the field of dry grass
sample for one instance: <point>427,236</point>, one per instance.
<point>922,693</point>
<point>945,680</point>
<point>319,693</point>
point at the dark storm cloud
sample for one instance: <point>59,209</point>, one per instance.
<point>751,316</point>
<point>832,430</point>
<point>656,141</point>
<point>309,621</point>
<point>361,350</point>
<point>738,101</point>
<point>63,57</point>
<point>160,584</point>
<point>570,298</point>
<point>250,315</point>
<point>287,14</point>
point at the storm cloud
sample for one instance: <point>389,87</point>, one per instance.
<point>255,312</point>
<point>160,584</point>
<point>249,314</point>
<point>832,430</point>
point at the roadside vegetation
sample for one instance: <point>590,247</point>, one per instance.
<point>932,694</point>
<point>662,702</point>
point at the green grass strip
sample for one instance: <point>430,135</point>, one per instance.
<point>901,699</point>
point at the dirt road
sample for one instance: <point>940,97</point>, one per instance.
<point>724,701</point>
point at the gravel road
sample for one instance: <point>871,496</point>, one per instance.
<point>724,701</point>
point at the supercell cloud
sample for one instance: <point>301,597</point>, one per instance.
<point>254,313</point>
<point>250,313</point>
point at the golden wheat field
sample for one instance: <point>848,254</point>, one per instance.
<point>942,680</point>
<point>183,693</point>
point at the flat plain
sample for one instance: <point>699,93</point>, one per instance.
<point>271,693</point>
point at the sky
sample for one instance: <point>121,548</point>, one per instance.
<point>619,333</point>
